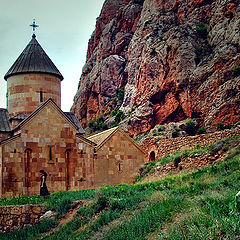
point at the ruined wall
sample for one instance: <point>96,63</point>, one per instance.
<point>168,146</point>
<point>117,161</point>
<point>23,92</point>
<point>16,217</point>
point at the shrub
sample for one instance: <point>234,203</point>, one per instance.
<point>197,146</point>
<point>175,134</point>
<point>190,127</point>
<point>176,161</point>
<point>114,101</point>
<point>120,95</point>
<point>201,130</point>
<point>114,112</point>
<point>161,128</point>
<point>236,70</point>
<point>202,30</point>
<point>97,125</point>
<point>119,116</point>
<point>102,202</point>
<point>220,126</point>
<point>203,51</point>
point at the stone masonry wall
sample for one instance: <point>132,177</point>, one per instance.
<point>16,217</point>
<point>23,92</point>
<point>168,146</point>
<point>23,156</point>
<point>117,161</point>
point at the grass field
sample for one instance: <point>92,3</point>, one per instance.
<point>198,205</point>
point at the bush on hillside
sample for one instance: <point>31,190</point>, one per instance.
<point>97,125</point>
<point>190,127</point>
<point>220,126</point>
<point>201,130</point>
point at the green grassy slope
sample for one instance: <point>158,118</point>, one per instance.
<point>197,205</point>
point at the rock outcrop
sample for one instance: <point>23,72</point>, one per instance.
<point>175,59</point>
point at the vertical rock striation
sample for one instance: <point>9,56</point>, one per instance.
<point>175,59</point>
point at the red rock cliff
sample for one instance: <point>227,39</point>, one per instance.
<point>176,59</point>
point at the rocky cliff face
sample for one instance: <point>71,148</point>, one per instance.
<point>175,59</point>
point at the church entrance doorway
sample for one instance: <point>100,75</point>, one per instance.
<point>152,156</point>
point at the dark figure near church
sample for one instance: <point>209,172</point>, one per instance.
<point>43,187</point>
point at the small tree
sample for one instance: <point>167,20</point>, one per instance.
<point>190,127</point>
<point>236,70</point>
<point>201,130</point>
<point>220,126</point>
<point>119,116</point>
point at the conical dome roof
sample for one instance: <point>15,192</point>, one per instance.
<point>33,59</point>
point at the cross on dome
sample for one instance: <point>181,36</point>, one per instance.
<point>34,26</point>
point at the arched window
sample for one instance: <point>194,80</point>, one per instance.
<point>152,156</point>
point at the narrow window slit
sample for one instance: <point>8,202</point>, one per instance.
<point>41,96</point>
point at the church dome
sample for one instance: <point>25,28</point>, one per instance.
<point>33,59</point>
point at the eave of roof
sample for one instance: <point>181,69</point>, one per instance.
<point>75,120</point>
<point>87,140</point>
<point>4,120</point>
<point>10,138</point>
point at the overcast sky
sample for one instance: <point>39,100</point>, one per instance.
<point>65,28</point>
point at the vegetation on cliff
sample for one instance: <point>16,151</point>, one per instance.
<point>173,59</point>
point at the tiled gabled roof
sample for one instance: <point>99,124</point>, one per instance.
<point>19,116</point>
<point>4,120</point>
<point>72,117</point>
<point>33,59</point>
<point>99,138</point>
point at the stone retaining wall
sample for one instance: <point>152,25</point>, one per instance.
<point>168,146</point>
<point>16,217</point>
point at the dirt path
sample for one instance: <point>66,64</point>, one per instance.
<point>67,217</point>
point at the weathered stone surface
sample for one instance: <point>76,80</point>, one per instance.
<point>16,217</point>
<point>46,215</point>
<point>177,55</point>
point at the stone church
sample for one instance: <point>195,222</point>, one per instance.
<point>36,134</point>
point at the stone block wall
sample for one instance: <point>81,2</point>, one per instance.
<point>168,146</point>
<point>117,161</point>
<point>24,90</point>
<point>42,144</point>
<point>16,217</point>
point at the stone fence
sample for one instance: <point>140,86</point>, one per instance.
<point>157,149</point>
<point>16,217</point>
